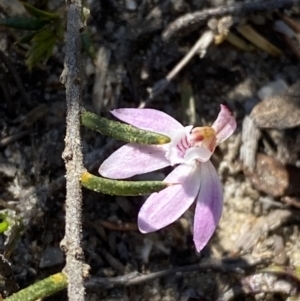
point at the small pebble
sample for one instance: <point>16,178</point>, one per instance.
<point>131,5</point>
<point>50,257</point>
<point>272,89</point>
<point>283,28</point>
<point>273,177</point>
<point>280,111</point>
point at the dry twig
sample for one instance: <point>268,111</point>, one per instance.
<point>12,138</point>
<point>134,278</point>
<point>250,138</point>
<point>193,20</point>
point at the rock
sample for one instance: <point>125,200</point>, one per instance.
<point>273,177</point>
<point>279,112</point>
<point>131,5</point>
<point>12,7</point>
<point>283,28</point>
<point>7,168</point>
<point>272,89</point>
<point>51,256</point>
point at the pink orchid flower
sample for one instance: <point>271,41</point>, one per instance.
<point>191,148</point>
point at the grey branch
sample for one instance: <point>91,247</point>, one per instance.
<point>72,154</point>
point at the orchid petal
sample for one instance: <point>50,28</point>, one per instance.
<point>133,159</point>
<point>166,206</point>
<point>178,144</point>
<point>209,205</point>
<point>148,119</point>
<point>224,125</point>
<point>200,153</point>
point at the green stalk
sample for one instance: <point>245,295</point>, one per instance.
<point>41,289</point>
<point>121,131</point>
<point>123,188</point>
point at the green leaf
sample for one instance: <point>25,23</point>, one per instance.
<point>27,38</point>
<point>24,23</point>
<point>11,226</point>
<point>40,14</point>
<point>87,44</point>
<point>4,224</point>
<point>121,131</point>
<point>42,45</point>
<point>123,188</point>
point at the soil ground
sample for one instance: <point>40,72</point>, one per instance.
<point>260,221</point>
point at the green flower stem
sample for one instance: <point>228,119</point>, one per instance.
<point>121,131</point>
<point>123,188</point>
<point>41,289</point>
